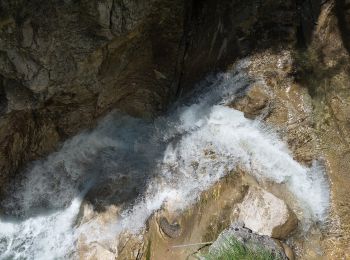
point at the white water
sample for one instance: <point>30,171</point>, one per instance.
<point>149,165</point>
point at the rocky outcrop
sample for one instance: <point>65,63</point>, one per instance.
<point>254,103</point>
<point>167,230</point>
<point>266,214</point>
<point>63,64</point>
<point>323,68</point>
<point>97,252</point>
<point>308,100</point>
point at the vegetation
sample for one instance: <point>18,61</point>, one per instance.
<point>231,249</point>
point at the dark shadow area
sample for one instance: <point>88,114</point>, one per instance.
<point>307,16</point>
<point>219,32</point>
<point>312,59</point>
<point>342,10</point>
<point>311,71</point>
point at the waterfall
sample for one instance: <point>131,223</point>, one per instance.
<point>143,165</point>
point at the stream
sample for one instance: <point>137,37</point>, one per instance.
<point>144,165</point>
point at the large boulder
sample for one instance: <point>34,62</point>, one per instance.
<point>96,252</point>
<point>266,214</point>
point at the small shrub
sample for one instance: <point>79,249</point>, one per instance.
<point>231,249</point>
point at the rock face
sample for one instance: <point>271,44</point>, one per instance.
<point>63,64</point>
<point>266,214</point>
<point>250,239</point>
<point>328,77</point>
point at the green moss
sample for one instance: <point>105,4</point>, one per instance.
<point>231,249</point>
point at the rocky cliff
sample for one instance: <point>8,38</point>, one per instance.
<point>63,64</point>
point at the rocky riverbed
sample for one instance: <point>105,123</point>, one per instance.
<point>145,129</point>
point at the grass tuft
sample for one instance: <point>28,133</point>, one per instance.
<point>231,249</point>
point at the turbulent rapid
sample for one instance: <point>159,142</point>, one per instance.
<point>141,166</point>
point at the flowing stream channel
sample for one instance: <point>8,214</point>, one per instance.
<point>143,165</point>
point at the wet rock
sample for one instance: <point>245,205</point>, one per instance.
<point>250,239</point>
<point>171,230</point>
<point>266,214</point>
<point>288,251</point>
<point>254,102</point>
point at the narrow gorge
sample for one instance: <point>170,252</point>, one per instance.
<point>174,129</point>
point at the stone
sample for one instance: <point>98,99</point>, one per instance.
<point>266,214</point>
<point>97,252</point>
<point>288,251</point>
<point>253,103</point>
<point>172,230</point>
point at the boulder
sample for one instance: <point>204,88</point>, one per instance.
<point>266,214</point>
<point>96,252</point>
<point>254,102</point>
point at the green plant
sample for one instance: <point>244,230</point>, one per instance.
<point>231,249</point>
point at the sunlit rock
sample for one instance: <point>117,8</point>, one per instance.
<point>266,214</point>
<point>97,252</point>
<point>254,102</point>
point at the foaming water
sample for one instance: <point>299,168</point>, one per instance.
<point>146,166</point>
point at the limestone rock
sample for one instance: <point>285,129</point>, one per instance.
<point>97,252</point>
<point>266,214</point>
